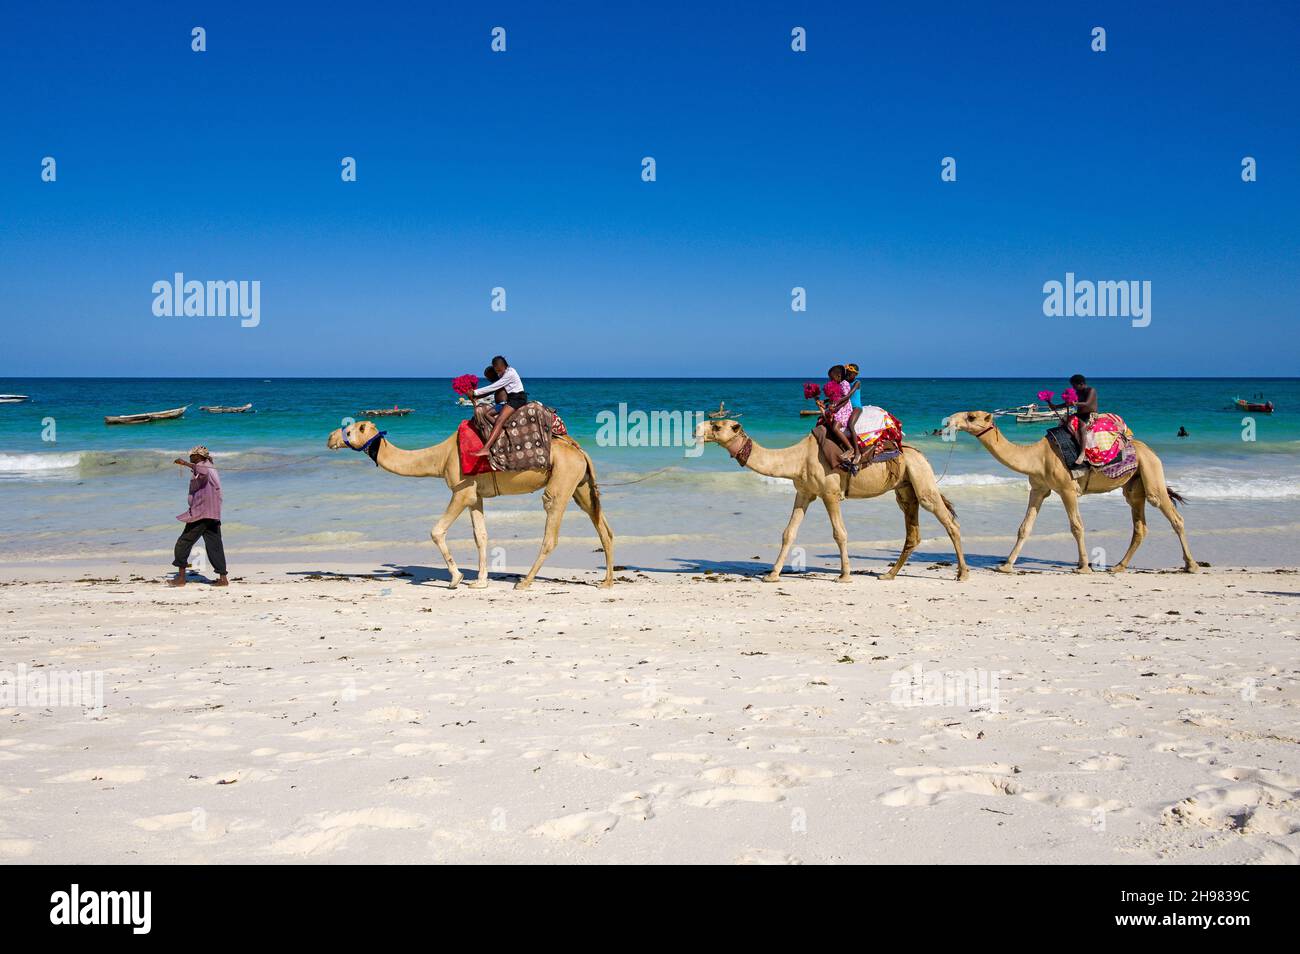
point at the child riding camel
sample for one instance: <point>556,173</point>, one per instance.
<point>836,412</point>
<point>508,380</point>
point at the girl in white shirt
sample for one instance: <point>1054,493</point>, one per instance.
<point>516,397</point>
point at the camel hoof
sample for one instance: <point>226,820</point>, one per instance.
<point>772,578</point>
<point>962,574</point>
<point>1117,568</point>
<point>606,584</point>
<point>523,584</point>
<point>455,580</point>
<point>1192,568</point>
<point>1083,569</point>
<point>479,585</point>
<point>888,576</point>
<point>844,579</point>
<point>1007,568</point>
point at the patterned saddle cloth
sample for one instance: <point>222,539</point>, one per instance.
<point>1109,446</point>
<point>880,450</point>
<point>525,443</point>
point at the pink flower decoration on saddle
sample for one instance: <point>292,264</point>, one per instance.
<point>1070,396</point>
<point>465,384</point>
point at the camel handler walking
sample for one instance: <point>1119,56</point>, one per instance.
<point>203,519</point>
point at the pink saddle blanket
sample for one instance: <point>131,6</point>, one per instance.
<point>1107,436</point>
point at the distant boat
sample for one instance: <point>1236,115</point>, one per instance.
<point>147,416</point>
<point>390,412</point>
<point>12,398</point>
<point>1032,414</point>
<point>1265,407</point>
<point>221,409</point>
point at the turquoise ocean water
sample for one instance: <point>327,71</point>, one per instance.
<point>99,493</point>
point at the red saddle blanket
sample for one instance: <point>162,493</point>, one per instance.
<point>470,443</point>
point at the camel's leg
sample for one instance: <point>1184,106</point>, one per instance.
<point>1071,500</point>
<point>801,502</point>
<point>907,502</point>
<point>933,501</point>
<point>1036,497</point>
<point>585,498</point>
<point>1136,495</point>
<point>840,534</point>
<point>480,541</point>
<point>1161,499</point>
<point>555,501</point>
<point>458,502</point>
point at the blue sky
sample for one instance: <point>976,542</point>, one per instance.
<point>775,169</point>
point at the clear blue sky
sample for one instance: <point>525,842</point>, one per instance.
<point>775,169</point>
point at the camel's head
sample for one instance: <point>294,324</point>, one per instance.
<point>973,422</point>
<point>354,436</point>
<point>720,432</point>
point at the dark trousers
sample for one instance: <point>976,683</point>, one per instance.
<point>210,531</point>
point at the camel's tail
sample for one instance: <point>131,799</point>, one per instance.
<point>595,490</point>
<point>952,511</point>
<point>1175,496</point>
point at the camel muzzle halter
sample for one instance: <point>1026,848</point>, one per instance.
<point>370,448</point>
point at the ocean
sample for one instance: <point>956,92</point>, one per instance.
<point>74,489</point>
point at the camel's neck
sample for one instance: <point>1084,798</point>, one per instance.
<point>1017,457</point>
<point>425,462</point>
<point>787,462</point>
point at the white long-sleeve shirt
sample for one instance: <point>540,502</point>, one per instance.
<point>509,380</point>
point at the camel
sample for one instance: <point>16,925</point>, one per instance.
<point>572,475</point>
<point>1046,473</point>
<point>805,465</point>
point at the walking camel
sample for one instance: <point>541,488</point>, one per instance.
<point>910,477</point>
<point>1046,473</point>
<point>572,476</point>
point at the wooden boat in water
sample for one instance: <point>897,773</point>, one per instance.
<point>389,412</point>
<point>147,416</point>
<point>12,398</point>
<point>1260,407</point>
<point>1033,414</point>
<point>222,409</point>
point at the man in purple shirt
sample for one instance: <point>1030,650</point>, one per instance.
<point>203,519</point>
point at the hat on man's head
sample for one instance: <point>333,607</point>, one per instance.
<point>200,451</point>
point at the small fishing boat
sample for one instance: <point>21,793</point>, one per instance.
<point>1033,414</point>
<point>222,409</point>
<point>12,398</point>
<point>1260,407</point>
<point>388,412</point>
<point>146,417</point>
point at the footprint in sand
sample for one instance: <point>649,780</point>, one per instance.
<point>588,826</point>
<point>330,831</point>
<point>580,825</point>
<point>1261,801</point>
<point>16,847</point>
<point>767,856</point>
<point>591,760</point>
<point>117,775</point>
<point>933,784</point>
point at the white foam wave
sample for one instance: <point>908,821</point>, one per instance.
<point>37,463</point>
<point>1236,488</point>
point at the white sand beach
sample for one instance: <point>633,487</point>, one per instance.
<point>362,717</point>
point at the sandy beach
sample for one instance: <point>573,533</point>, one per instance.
<point>362,716</point>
